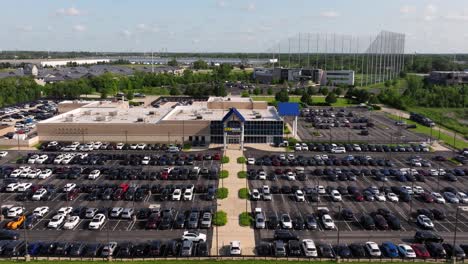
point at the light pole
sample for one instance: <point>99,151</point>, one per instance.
<point>26,254</point>
<point>338,229</point>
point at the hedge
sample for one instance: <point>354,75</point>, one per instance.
<point>222,193</point>
<point>241,160</point>
<point>242,174</point>
<point>225,159</point>
<point>243,193</point>
<point>220,218</point>
<point>224,174</point>
<point>245,219</point>
<point>187,146</point>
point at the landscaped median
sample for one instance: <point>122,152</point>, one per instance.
<point>220,218</point>
<point>222,193</point>
<point>242,174</point>
<point>241,160</point>
<point>225,159</point>
<point>243,193</point>
<point>245,219</point>
<point>224,174</point>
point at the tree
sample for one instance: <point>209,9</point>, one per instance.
<point>306,99</point>
<point>129,95</point>
<point>256,91</point>
<point>331,98</point>
<point>173,63</point>
<point>245,94</point>
<point>387,83</point>
<point>338,91</point>
<point>174,90</point>
<point>200,64</point>
<point>324,90</point>
<point>282,96</point>
<point>270,91</point>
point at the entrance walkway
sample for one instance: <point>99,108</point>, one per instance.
<point>233,206</point>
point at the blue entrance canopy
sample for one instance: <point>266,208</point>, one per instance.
<point>288,109</point>
<point>234,111</point>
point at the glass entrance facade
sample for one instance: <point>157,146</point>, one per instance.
<point>254,131</point>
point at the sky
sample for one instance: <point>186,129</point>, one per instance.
<point>431,26</point>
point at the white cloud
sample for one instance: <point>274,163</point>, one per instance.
<point>126,33</point>
<point>430,12</point>
<point>251,7</point>
<point>221,3</point>
<point>25,28</point>
<point>72,11</point>
<point>195,41</point>
<point>79,28</point>
<point>329,14</point>
<point>407,9</point>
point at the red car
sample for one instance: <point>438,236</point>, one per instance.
<point>420,250</point>
<point>73,194</point>
<point>427,198</point>
<point>217,156</point>
<point>164,175</point>
<point>124,186</point>
<point>358,197</point>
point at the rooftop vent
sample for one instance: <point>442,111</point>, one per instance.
<point>151,113</point>
<point>199,117</point>
<point>87,112</point>
<point>113,113</point>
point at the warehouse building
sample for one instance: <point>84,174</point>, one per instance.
<point>317,76</point>
<point>232,120</point>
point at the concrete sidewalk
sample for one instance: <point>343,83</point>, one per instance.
<point>233,206</point>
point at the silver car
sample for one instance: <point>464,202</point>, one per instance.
<point>206,220</point>
<point>187,248</point>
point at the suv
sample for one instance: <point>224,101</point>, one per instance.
<point>284,235</point>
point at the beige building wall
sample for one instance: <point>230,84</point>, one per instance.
<point>165,131</point>
<point>236,104</point>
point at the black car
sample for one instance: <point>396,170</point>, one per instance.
<point>264,249</point>
<point>180,221</point>
<point>8,235</point>
<point>426,212</point>
<point>393,222</point>
<point>284,235</point>
<point>30,221</point>
<point>325,251</point>
<point>347,214</point>
<point>92,250</point>
<point>343,251</point>
<point>155,248</point>
<point>452,251</point>
<point>141,250</point>
<point>61,248</point>
<point>358,250</point>
<point>298,223</point>
<point>76,249</point>
<point>272,222</point>
<point>439,214</point>
<point>125,249</point>
<point>436,250</point>
<point>427,236</point>
<point>294,248</point>
<point>201,249</point>
<point>367,222</point>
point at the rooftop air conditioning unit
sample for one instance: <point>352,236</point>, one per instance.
<point>100,118</point>
<point>258,116</point>
<point>199,117</point>
<point>70,118</point>
<point>87,112</point>
<point>151,113</point>
<point>113,113</point>
<point>140,119</point>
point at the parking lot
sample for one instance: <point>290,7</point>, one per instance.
<point>351,229</point>
<point>346,125</point>
<point>120,169</point>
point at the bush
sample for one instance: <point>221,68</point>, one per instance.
<point>242,174</point>
<point>222,193</point>
<point>225,159</point>
<point>292,141</point>
<point>245,219</point>
<point>220,218</point>
<point>224,174</point>
<point>241,160</point>
<point>243,193</point>
<point>187,146</point>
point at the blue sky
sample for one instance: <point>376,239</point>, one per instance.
<point>225,25</point>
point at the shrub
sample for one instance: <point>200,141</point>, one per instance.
<point>243,193</point>
<point>245,219</point>
<point>224,174</point>
<point>225,159</point>
<point>292,141</point>
<point>187,146</point>
<point>241,160</point>
<point>220,218</point>
<point>242,174</point>
<point>222,193</point>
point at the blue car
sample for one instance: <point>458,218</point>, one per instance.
<point>390,250</point>
<point>34,248</point>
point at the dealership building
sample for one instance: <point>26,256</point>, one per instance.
<point>231,120</point>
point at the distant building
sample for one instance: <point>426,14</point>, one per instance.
<point>30,69</point>
<point>318,76</point>
<point>56,63</point>
<point>338,77</point>
<point>448,77</point>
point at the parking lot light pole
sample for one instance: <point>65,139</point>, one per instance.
<point>340,218</point>
<point>27,257</point>
<point>411,200</point>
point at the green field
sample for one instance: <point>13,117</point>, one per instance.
<point>451,118</point>
<point>447,139</point>
<point>341,102</point>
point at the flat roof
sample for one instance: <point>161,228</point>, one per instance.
<point>230,99</point>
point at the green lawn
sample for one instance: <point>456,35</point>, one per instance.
<point>341,102</point>
<point>447,139</point>
<point>450,118</point>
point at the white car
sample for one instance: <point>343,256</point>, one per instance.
<point>266,193</point>
<point>42,159</point>
<point>71,222</point>
<point>24,186</point>
<point>255,195</point>
<point>146,160</point>
<point>188,194</point>
<point>108,250</point>
<point>16,173</point>
<point>67,159</point>
<point>304,147</point>
<point>3,154</point>
<point>33,174</point>
<point>418,190</point>
<point>15,211</point>
<point>338,150</point>
<point>65,210</point>
<point>462,197</point>
<point>45,174</point>
<point>33,159</point>
<point>141,146</point>
<point>336,196</point>
<point>373,249</point>
<point>194,236</point>
<point>299,195</point>
<point>308,247</point>
<point>59,159</point>
<point>94,174</point>
<point>97,145</point>
<point>320,189</point>
<point>37,196</point>
<point>69,186</point>
<point>406,251</point>
<point>380,197</point>
<point>328,222</point>
<point>12,187</point>
<point>286,222</point>
<point>119,146</point>
<point>177,194</point>
<point>251,161</point>
<point>56,221</point>
<point>97,222</point>
<point>291,176</point>
<point>425,222</point>
<point>392,197</point>
<point>235,248</point>
<point>116,212</point>
<point>297,147</point>
<point>356,147</point>
<point>41,211</point>
<point>262,175</point>
<point>438,197</point>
